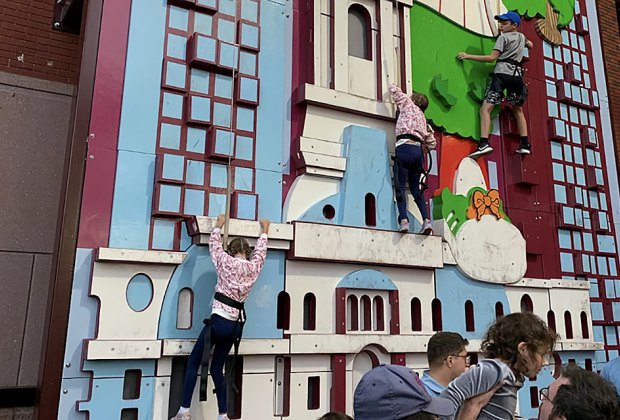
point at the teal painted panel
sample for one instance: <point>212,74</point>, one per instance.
<point>367,279</point>
<point>196,140</point>
<point>107,401</point>
<point>139,292</point>
<point>163,234</point>
<point>170,136</point>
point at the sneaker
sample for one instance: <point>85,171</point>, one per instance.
<point>404,226</point>
<point>524,149</point>
<point>482,149</point>
<point>184,416</point>
<point>427,228</point>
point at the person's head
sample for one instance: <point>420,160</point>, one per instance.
<point>509,21</point>
<point>334,415</point>
<point>446,350</point>
<point>522,340</point>
<point>420,100</point>
<point>579,394</point>
<point>239,247</point>
<point>392,392</point>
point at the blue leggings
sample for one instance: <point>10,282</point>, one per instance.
<point>410,162</point>
<point>224,332</point>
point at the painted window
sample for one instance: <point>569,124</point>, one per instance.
<point>131,384</point>
<point>370,210</point>
<point>568,325</point>
<point>585,331</point>
<point>314,392</point>
<point>436,310</point>
<point>416,314</point>
<point>534,397</point>
<point>378,312</point>
<point>185,304</point>
<point>551,321</point>
<point>352,313</point>
<point>283,311</point>
<point>470,324</point>
<point>499,310</point>
<point>526,304</point>
<point>366,315</point>
<point>588,364</point>
<point>360,34</point>
<point>309,312</point>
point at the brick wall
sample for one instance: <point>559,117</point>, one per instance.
<point>610,36</point>
<point>30,47</point>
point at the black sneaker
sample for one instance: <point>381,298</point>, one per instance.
<point>482,149</point>
<point>524,149</point>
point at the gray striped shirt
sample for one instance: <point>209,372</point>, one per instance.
<point>484,376</point>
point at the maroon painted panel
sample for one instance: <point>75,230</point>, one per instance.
<point>339,383</point>
<point>395,314</point>
<point>341,310</point>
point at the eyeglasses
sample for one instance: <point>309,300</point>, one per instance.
<point>543,394</point>
<point>465,356</point>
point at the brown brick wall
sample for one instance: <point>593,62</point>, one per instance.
<point>610,37</point>
<point>30,47</point>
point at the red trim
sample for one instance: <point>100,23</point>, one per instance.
<point>378,59</point>
<point>341,310</point>
<point>399,359</point>
<point>98,190</point>
<point>286,409</point>
<point>401,34</point>
<point>338,392</point>
<point>394,312</point>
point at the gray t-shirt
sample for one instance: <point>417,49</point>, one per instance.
<point>481,378</point>
<point>510,45</point>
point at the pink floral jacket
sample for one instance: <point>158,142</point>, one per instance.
<point>411,119</point>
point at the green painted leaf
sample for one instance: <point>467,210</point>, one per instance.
<point>476,91</point>
<point>441,90</point>
<point>566,9</point>
<point>528,8</point>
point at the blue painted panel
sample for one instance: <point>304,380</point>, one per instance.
<point>245,119</point>
<point>221,114</point>
<point>560,193</point>
<point>612,354</point>
<point>176,46</point>
<point>226,30</point>
<point>611,335</point>
<point>206,48</point>
<point>453,289</point>
<point>594,293</point>
<point>228,7</point>
<point>244,148</point>
<point>131,211</point>
<point>175,75</point>
<point>173,167</point>
<point>247,63</point>
<point>564,237</point>
<point>76,390</point>
<point>613,270</point>
<point>139,292</point>
<point>229,55</point>
<point>223,86</point>
<point>577,240</point>
<point>617,286</point>
<point>203,23</point>
<point>196,140</point>
<point>169,198</point>
<point>588,243</point>
<point>208,3</point>
<point>107,401</point>
<point>83,312</point>
<point>248,89</point>
<point>186,240</point>
<point>173,105</point>
<point>606,243</point>
<point>249,10</point>
<point>178,18</point>
<point>199,81</point>
<point>217,204</point>
<point>367,279</point>
<point>585,263</point>
<point>566,262</point>
<point>223,142</point>
<point>163,234</point>
<point>194,202</point>
<point>601,263</point>
<point>141,90</point>
<point>616,310</point>
<point>117,368</point>
<point>246,206</point>
<point>201,109</point>
<point>599,335</point>
<point>543,379</point>
<point>219,176</point>
<point>195,172</point>
<point>243,178</point>
<point>269,189</point>
<point>170,136</point>
<point>249,35</point>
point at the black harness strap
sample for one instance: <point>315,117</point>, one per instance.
<point>204,364</point>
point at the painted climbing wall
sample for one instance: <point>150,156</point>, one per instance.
<point>290,97</point>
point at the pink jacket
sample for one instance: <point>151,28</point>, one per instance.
<point>411,119</point>
<point>235,276</point>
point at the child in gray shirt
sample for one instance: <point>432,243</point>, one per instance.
<point>516,346</point>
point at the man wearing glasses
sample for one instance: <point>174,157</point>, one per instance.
<point>447,360</point>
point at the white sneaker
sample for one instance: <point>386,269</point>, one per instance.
<point>481,150</point>
<point>184,416</point>
<point>427,228</point>
<point>404,226</point>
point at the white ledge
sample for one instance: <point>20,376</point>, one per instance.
<point>123,349</point>
<point>552,284</point>
<point>183,347</point>
<point>140,256</point>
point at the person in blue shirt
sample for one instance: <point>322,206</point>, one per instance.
<point>447,360</point>
<point>611,372</point>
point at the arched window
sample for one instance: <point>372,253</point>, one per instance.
<point>585,331</point>
<point>568,325</point>
<point>499,310</point>
<point>526,304</point>
<point>557,365</point>
<point>360,33</point>
<point>352,313</point>
<point>370,210</point>
<point>551,321</point>
<point>283,311</point>
<point>470,325</point>
<point>378,322</point>
<point>436,310</point>
<point>185,305</point>
<point>366,314</point>
<point>588,364</point>
<point>416,314</point>
<point>534,397</point>
<point>309,312</point>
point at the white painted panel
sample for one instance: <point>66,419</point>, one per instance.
<point>140,256</point>
<point>348,244</point>
<point>161,398</point>
<point>321,147</point>
<point>346,343</point>
<point>245,228</point>
<point>305,192</point>
<point>324,161</point>
<point>123,349</point>
<point>341,46</point>
<point>575,301</point>
<point>311,363</point>
<point>299,395</point>
<point>257,397</point>
<point>362,77</point>
<point>259,364</point>
<point>468,175</point>
<point>252,346</point>
<point>347,102</point>
<point>540,300</point>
